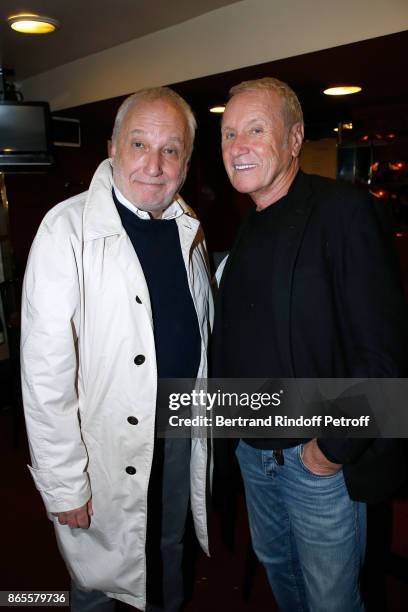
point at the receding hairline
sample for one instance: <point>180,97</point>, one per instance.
<point>151,95</point>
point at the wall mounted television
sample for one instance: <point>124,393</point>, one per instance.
<point>25,135</point>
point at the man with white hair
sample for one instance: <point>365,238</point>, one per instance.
<point>309,291</point>
<point>116,295</point>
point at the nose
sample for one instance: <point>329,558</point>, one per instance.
<point>239,146</point>
<point>153,164</point>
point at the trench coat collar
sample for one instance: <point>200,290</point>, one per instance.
<point>101,219</point>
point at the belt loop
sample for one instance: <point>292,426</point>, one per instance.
<point>278,456</point>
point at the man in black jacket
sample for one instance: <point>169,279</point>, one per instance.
<point>308,291</point>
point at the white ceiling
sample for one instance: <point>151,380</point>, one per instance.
<point>87,26</point>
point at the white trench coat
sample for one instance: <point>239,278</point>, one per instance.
<point>86,314</point>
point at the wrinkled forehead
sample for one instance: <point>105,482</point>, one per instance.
<point>152,115</point>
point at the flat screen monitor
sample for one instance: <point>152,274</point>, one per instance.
<point>24,134</point>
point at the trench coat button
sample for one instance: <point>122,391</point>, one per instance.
<point>139,359</point>
<point>130,470</point>
<point>132,420</point>
<point>138,300</point>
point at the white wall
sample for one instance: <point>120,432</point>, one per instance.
<point>242,34</point>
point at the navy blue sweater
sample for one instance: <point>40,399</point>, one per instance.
<point>176,331</point>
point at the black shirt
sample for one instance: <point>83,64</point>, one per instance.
<point>249,323</point>
<point>248,346</point>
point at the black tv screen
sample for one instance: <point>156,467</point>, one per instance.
<point>24,134</point>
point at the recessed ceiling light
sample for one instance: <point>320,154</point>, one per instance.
<point>33,24</point>
<point>342,90</point>
<point>217,109</point>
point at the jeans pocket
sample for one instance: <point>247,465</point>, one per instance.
<point>308,471</point>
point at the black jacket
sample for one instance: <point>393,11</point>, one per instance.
<point>341,311</point>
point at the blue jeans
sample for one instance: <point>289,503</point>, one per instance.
<point>169,494</point>
<point>305,529</point>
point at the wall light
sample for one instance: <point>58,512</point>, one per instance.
<point>344,126</point>
<point>378,193</point>
<point>342,90</point>
<point>217,109</point>
<point>33,24</point>
<point>399,165</point>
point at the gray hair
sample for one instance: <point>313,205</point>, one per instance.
<point>151,95</point>
<point>291,105</point>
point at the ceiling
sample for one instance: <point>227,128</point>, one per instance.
<point>378,65</point>
<point>87,26</point>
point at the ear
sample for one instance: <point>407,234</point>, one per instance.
<point>297,132</point>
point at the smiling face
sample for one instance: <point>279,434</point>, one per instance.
<point>260,152</point>
<point>149,156</point>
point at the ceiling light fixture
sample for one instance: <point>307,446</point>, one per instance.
<point>342,90</point>
<point>217,109</point>
<point>33,24</point>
